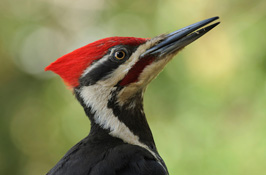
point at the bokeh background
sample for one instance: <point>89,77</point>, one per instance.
<point>207,109</point>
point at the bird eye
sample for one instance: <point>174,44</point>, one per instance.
<point>120,55</point>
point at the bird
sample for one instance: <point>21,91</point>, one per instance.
<point>109,77</point>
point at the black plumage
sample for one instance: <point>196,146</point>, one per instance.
<point>101,154</point>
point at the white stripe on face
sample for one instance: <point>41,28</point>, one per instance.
<point>120,72</point>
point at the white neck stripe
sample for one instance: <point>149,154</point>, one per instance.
<point>105,117</point>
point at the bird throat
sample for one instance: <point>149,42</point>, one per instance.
<point>127,122</point>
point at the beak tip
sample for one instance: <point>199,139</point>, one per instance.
<point>182,37</point>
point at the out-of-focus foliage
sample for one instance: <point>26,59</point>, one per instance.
<point>207,109</point>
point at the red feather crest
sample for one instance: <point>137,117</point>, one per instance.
<point>70,66</point>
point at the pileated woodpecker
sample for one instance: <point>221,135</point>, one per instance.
<point>108,78</point>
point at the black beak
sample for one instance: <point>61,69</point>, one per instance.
<point>181,38</point>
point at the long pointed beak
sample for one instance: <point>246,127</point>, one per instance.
<point>181,38</point>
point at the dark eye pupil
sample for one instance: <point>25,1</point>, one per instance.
<point>120,54</point>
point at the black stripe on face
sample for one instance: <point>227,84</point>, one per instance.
<point>103,69</point>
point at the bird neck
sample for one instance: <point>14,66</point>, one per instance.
<point>126,122</point>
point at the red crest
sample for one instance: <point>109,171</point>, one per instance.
<point>71,66</point>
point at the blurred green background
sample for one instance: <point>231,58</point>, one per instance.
<point>207,109</point>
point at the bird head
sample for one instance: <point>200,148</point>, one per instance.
<point>111,74</point>
<point>126,62</point>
